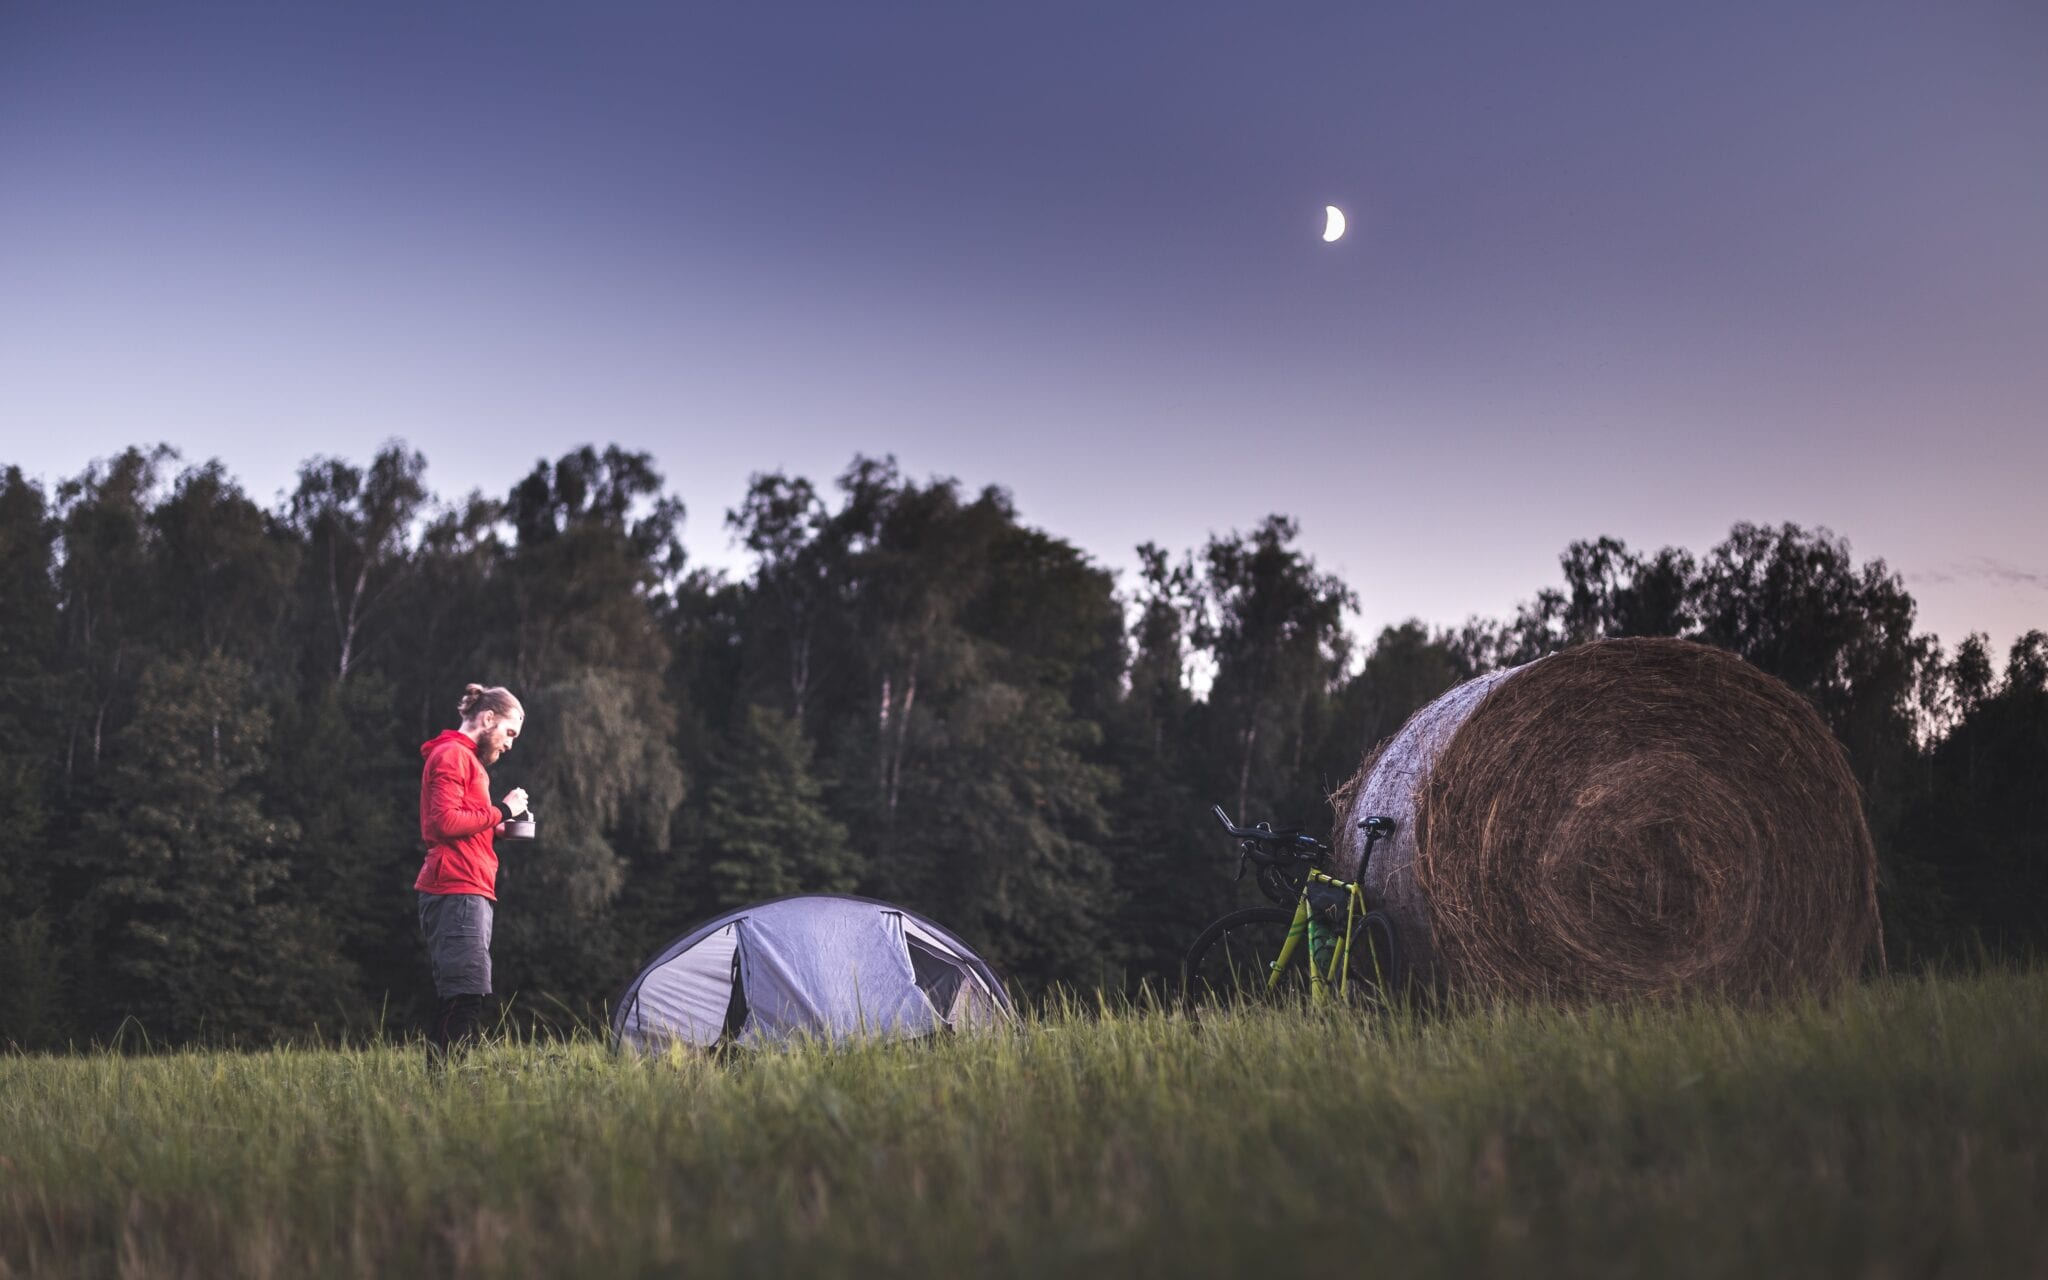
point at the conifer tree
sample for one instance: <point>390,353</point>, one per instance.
<point>28,689</point>
<point>761,829</point>
<point>190,923</point>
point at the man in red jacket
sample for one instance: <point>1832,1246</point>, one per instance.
<point>459,883</point>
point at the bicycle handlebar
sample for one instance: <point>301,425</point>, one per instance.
<point>1291,844</point>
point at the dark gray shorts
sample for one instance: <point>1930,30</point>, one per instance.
<point>457,927</point>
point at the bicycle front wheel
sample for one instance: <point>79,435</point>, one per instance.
<point>1231,962</point>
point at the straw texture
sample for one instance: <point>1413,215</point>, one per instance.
<point>1638,817</point>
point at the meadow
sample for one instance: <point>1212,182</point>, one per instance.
<point>1896,1131</point>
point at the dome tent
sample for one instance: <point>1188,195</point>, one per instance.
<point>822,965</point>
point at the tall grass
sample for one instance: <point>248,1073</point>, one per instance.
<point>1898,1131</point>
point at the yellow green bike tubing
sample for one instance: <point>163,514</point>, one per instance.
<point>1297,934</point>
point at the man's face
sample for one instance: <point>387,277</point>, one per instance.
<point>499,733</point>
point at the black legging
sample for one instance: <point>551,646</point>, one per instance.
<point>456,1024</point>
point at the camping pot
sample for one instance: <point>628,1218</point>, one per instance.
<point>521,827</point>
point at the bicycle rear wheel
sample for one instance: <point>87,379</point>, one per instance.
<point>1230,963</point>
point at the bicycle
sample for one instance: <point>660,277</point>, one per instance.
<point>1273,954</point>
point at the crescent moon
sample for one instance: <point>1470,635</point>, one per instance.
<point>1333,229</point>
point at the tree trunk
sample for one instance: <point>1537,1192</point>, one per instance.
<point>799,671</point>
<point>352,622</point>
<point>902,736</point>
<point>1244,772</point>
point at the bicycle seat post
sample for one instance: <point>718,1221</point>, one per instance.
<point>1375,827</point>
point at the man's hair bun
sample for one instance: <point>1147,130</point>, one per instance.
<point>477,699</point>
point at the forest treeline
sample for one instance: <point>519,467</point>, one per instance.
<point>210,715</point>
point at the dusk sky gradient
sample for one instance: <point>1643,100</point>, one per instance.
<point>1628,269</point>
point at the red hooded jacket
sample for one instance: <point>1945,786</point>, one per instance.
<point>457,819</point>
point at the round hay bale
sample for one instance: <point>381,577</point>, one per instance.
<point>1638,817</point>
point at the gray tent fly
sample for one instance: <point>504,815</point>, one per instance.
<point>822,965</point>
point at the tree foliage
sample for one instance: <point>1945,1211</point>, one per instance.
<point>763,830</point>
<point>189,909</point>
<point>210,719</point>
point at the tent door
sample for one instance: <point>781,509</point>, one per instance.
<point>938,975</point>
<point>736,1008</point>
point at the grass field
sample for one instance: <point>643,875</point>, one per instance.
<point>1898,1132</point>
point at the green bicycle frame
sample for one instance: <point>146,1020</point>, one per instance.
<point>1298,933</point>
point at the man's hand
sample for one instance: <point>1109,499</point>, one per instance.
<point>515,802</point>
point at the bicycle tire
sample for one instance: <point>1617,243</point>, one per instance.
<point>1230,957</point>
<point>1376,955</point>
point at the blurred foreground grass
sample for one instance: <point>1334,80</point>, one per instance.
<point>1898,1131</point>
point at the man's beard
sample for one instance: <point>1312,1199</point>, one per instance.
<point>490,751</point>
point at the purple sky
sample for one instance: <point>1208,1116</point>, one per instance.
<point>1626,269</point>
